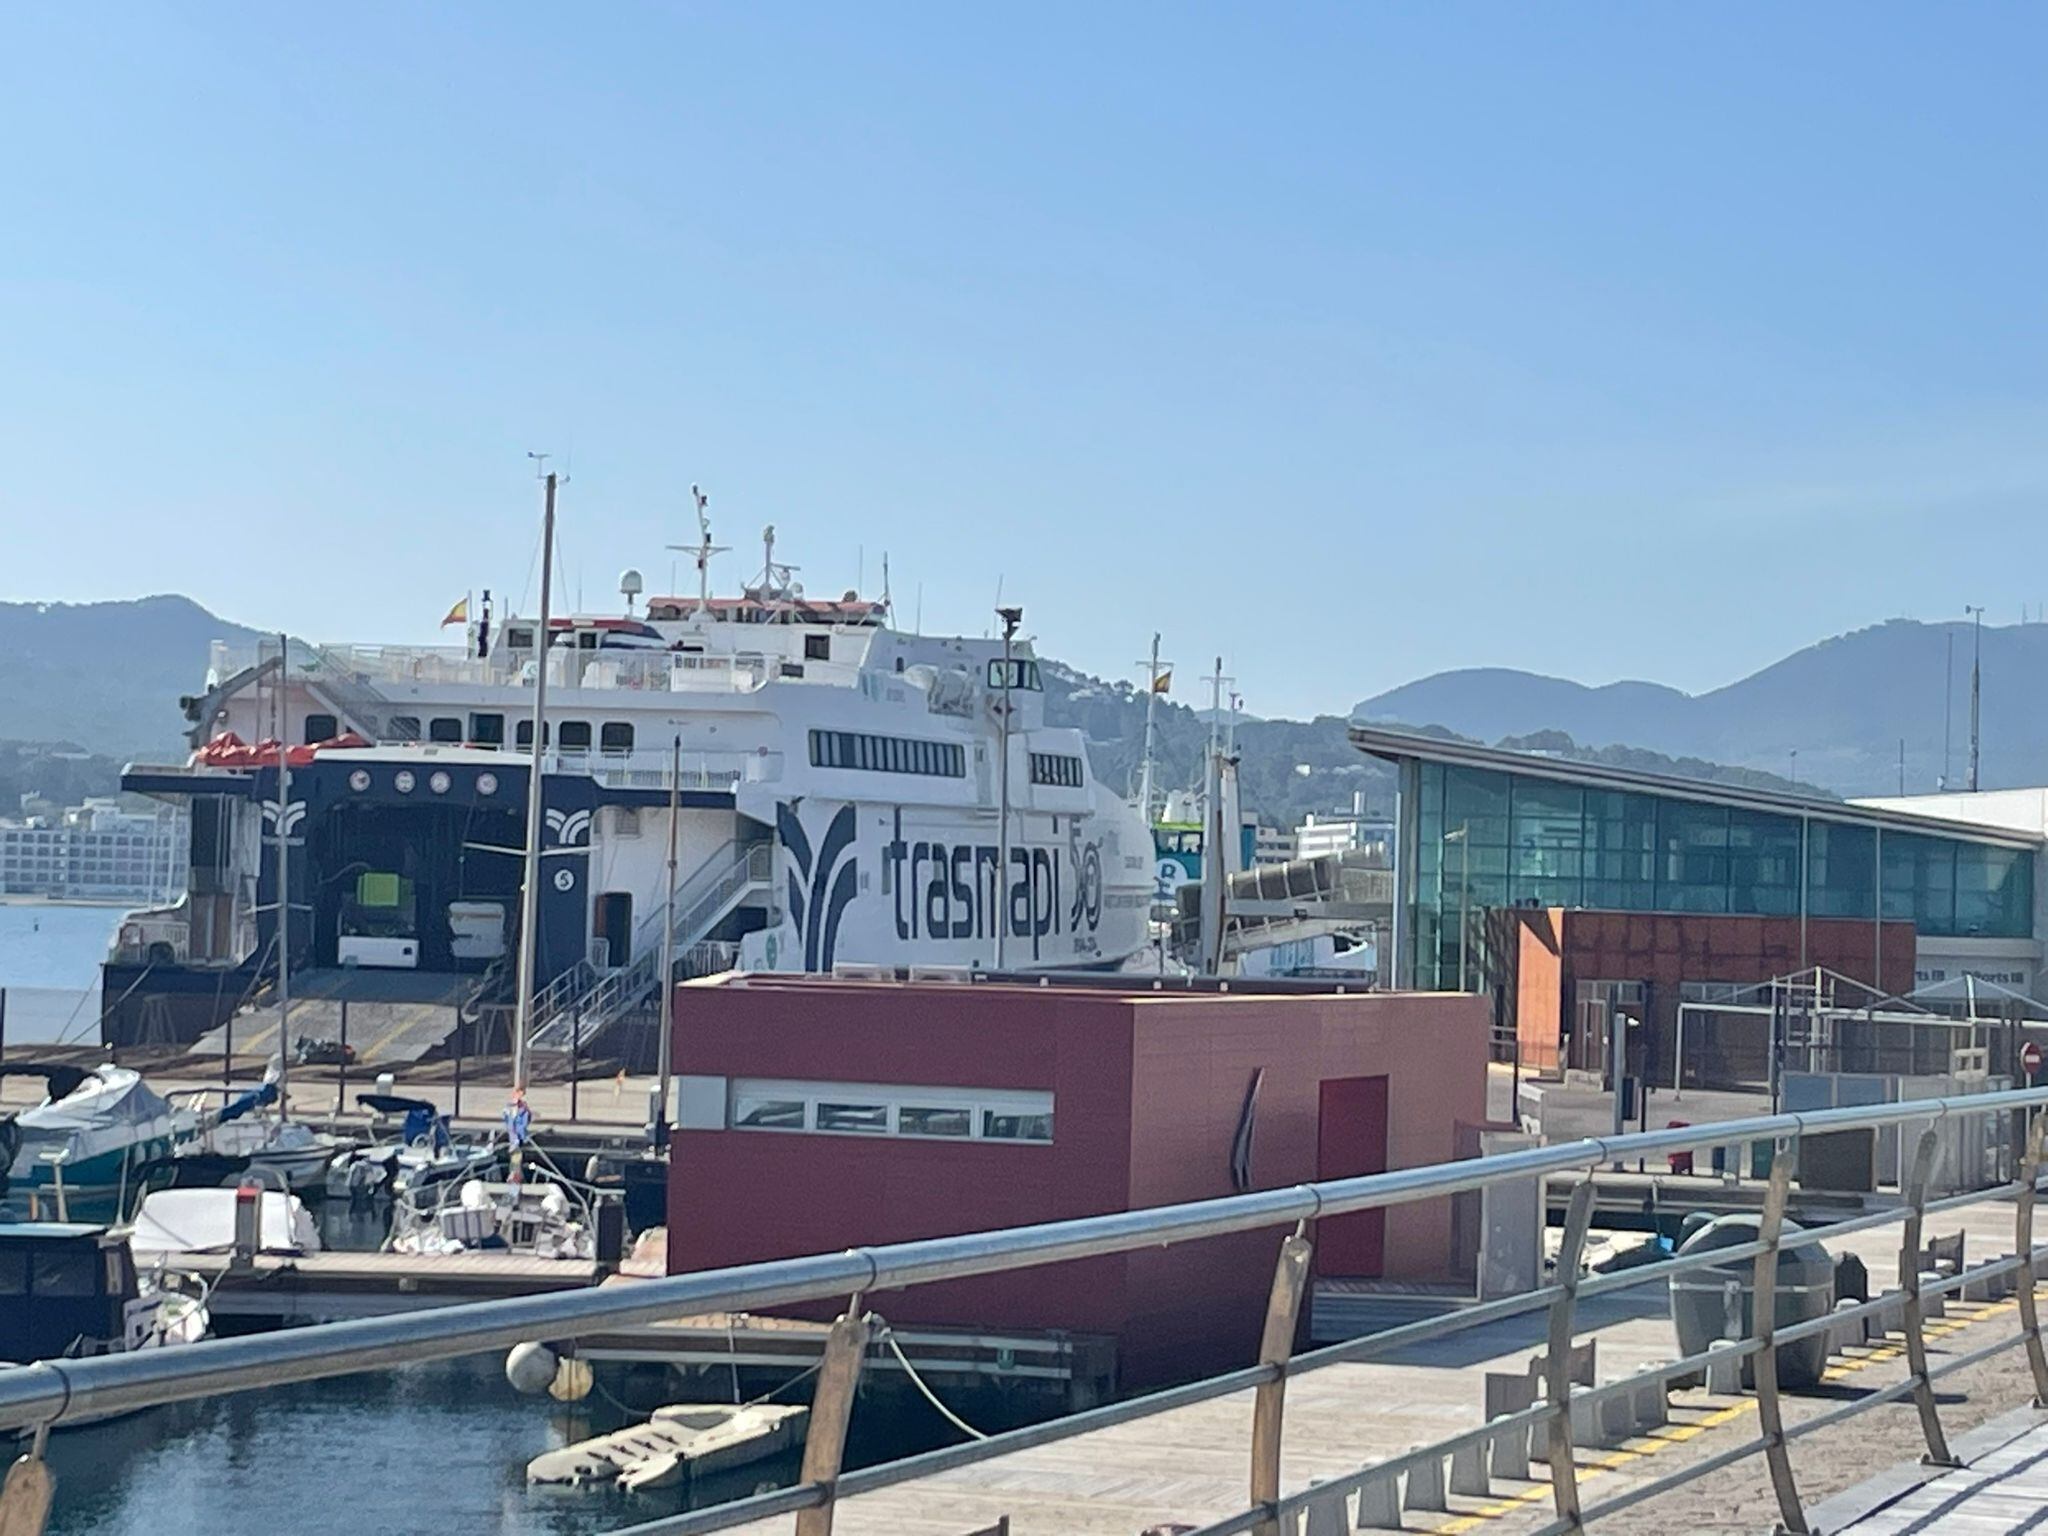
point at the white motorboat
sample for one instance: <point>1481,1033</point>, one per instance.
<point>677,1443</point>
<point>203,1221</point>
<point>284,1152</point>
<point>93,1129</point>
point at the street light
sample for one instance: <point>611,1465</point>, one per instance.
<point>1011,618</point>
<point>1461,835</point>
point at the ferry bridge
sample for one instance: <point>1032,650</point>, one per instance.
<point>1563,1407</point>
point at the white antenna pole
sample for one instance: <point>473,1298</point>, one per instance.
<point>529,890</point>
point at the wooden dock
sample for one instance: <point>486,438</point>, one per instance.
<point>278,1289</point>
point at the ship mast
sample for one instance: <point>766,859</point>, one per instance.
<point>284,889</point>
<point>701,551</point>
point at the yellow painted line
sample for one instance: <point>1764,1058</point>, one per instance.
<point>1679,1434</point>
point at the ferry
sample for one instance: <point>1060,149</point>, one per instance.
<point>832,790</point>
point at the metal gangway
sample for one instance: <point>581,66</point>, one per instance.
<point>54,1392</point>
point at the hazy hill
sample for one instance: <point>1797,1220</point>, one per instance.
<point>1843,705</point>
<point>105,675</point>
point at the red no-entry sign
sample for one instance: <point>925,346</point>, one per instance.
<point>2030,1058</point>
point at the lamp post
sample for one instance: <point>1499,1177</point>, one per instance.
<point>1011,618</point>
<point>1461,835</point>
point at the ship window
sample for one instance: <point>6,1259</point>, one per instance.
<point>574,736</point>
<point>1023,675</point>
<point>321,728</point>
<point>519,638</point>
<point>487,730</point>
<point>522,733</point>
<point>888,754</point>
<point>587,640</point>
<point>444,728</point>
<point>792,669</point>
<point>616,736</point>
<point>1056,768</point>
<point>817,647</point>
<point>13,1272</point>
<point>404,727</point>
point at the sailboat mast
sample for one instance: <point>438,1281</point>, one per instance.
<point>529,890</point>
<point>284,886</point>
<point>663,1060</point>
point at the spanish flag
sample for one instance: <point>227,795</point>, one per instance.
<point>459,614</point>
<point>1163,682</point>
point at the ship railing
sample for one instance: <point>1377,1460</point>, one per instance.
<point>591,1000</point>
<point>1558,1406</point>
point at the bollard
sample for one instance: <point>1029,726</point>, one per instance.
<point>1325,1516</point>
<point>1617,1415</point>
<point>1470,1477</point>
<point>1724,1377</point>
<point>1585,1425</point>
<point>1510,1449</point>
<point>1892,1315</point>
<point>1651,1409</point>
<point>1379,1502</point>
<point>1425,1488</point>
<point>1842,1335</point>
<point>1933,1304</point>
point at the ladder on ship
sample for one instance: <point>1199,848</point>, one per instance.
<point>579,1005</point>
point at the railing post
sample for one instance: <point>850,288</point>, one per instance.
<point>846,1347</point>
<point>1763,1327</point>
<point>2023,1234</point>
<point>1276,1347</point>
<point>1909,1282</point>
<point>1564,1472</point>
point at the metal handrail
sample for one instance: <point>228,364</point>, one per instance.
<point>56,1391</point>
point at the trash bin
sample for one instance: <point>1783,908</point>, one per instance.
<point>1706,1304</point>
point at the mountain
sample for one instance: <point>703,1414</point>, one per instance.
<point>105,676</point>
<point>1844,705</point>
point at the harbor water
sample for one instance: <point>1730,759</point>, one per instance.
<point>50,956</point>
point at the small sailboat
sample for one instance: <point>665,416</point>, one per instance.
<point>541,1218</point>
<point>94,1127</point>
<point>681,1441</point>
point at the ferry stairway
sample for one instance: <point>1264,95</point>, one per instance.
<point>361,705</point>
<point>575,1010</point>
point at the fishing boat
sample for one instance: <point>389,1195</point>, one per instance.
<point>677,1443</point>
<point>94,1127</point>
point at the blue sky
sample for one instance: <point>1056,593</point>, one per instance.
<point>1350,342</point>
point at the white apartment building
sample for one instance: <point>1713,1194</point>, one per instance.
<point>97,851</point>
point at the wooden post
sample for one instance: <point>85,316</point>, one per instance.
<point>1276,1347</point>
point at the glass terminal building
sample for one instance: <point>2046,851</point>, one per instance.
<point>1483,828</point>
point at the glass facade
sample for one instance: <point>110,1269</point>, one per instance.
<point>1483,838</point>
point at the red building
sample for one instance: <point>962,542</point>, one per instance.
<point>818,1114</point>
